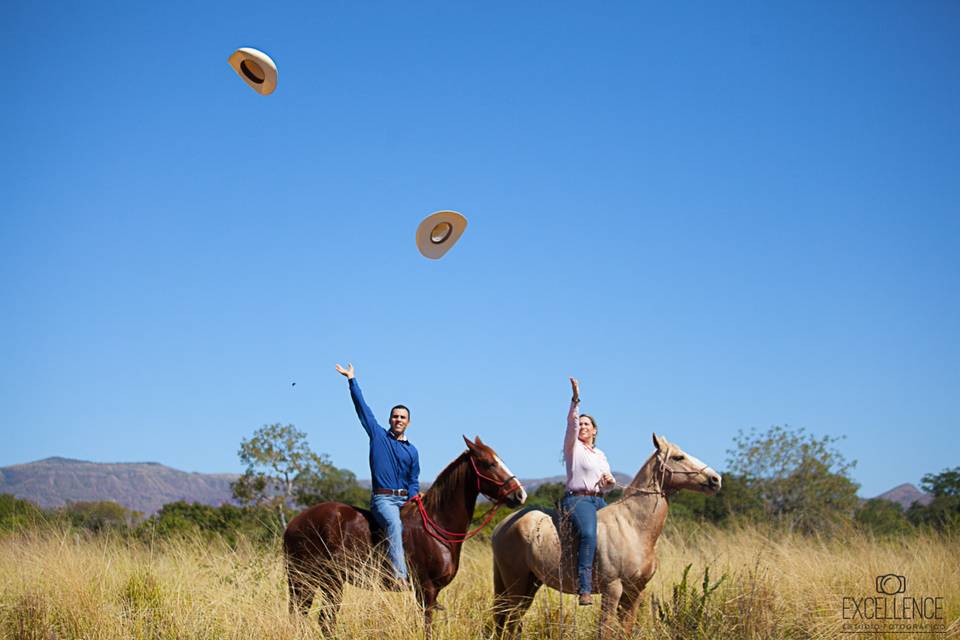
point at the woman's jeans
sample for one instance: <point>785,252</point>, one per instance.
<point>386,510</point>
<point>582,510</point>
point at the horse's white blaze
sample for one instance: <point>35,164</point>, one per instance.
<point>523,492</point>
<point>708,472</point>
<point>699,464</point>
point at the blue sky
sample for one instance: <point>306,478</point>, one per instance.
<point>716,216</point>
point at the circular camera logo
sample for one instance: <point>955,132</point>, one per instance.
<point>891,584</point>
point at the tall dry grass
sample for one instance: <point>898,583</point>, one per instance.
<point>776,585</point>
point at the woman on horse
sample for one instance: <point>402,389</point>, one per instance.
<point>588,477</point>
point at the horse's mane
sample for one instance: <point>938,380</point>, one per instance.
<point>447,483</point>
<point>644,478</point>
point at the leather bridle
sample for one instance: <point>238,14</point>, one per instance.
<point>506,487</point>
<point>657,489</point>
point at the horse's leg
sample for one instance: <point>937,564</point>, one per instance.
<point>427,597</point>
<point>499,602</point>
<point>629,605</point>
<point>331,588</point>
<point>512,597</point>
<point>301,592</point>
<point>611,593</point>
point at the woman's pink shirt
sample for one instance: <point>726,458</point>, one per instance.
<point>585,465</point>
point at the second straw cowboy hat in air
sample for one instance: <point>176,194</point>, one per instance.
<point>256,68</point>
<point>438,232</point>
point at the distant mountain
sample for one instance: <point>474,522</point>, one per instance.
<point>141,486</point>
<point>905,495</point>
<point>147,486</point>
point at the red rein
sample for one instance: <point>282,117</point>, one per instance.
<point>442,534</point>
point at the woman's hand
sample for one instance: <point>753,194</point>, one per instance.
<point>607,480</point>
<point>576,389</point>
<point>346,372</point>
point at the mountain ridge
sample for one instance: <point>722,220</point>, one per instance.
<point>146,486</point>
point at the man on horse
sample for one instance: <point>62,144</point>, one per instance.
<point>394,471</point>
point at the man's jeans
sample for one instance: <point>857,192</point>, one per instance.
<point>583,511</point>
<point>386,510</point>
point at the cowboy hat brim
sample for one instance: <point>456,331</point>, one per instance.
<point>439,232</point>
<point>256,68</point>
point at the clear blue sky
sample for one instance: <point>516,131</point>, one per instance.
<point>717,216</point>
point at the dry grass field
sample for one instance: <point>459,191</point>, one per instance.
<point>775,586</point>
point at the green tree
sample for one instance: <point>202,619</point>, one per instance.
<point>227,521</point>
<point>16,513</point>
<point>282,472</point>
<point>100,516</point>
<point>737,500</point>
<point>802,482</point>
<point>945,483</point>
<point>943,512</point>
<point>328,482</point>
<point>546,495</point>
<point>882,517</point>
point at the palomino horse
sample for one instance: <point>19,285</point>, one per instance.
<point>527,551</point>
<point>323,543</point>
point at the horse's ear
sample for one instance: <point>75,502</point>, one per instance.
<point>479,442</point>
<point>470,445</point>
<point>659,442</point>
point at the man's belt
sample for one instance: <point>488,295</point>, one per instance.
<point>594,494</point>
<point>390,492</point>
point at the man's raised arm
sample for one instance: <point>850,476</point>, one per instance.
<point>363,411</point>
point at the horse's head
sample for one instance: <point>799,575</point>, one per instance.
<point>494,479</point>
<point>680,470</point>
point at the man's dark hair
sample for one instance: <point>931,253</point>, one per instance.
<point>400,406</point>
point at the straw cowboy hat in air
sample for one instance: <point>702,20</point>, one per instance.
<point>438,232</point>
<point>256,68</point>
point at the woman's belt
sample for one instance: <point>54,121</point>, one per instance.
<point>594,494</point>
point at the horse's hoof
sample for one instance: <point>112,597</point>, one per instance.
<point>585,600</point>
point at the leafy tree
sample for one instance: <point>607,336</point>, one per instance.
<point>227,521</point>
<point>801,481</point>
<point>100,515</point>
<point>16,513</point>
<point>688,505</point>
<point>546,495</point>
<point>329,483</point>
<point>282,472</point>
<point>736,500</point>
<point>882,517</point>
<point>945,483</point>
<point>943,512</point>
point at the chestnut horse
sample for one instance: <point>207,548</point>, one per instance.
<point>527,551</point>
<point>322,544</point>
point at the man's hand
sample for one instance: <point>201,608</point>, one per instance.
<point>346,372</point>
<point>576,389</point>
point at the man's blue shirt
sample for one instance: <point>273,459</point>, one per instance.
<point>394,464</point>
